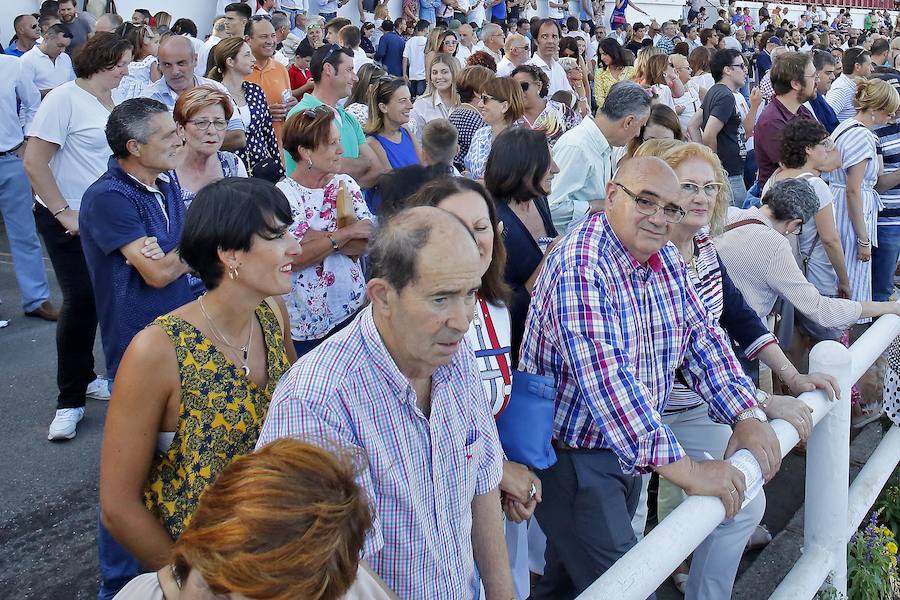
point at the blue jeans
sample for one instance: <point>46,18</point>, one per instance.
<point>27,256</point>
<point>117,566</point>
<point>884,262</point>
<point>738,189</point>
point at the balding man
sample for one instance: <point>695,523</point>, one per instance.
<point>612,318</point>
<point>517,52</point>
<point>108,23</point>
<point>400,386</point>
<point>466,35</point>
<point>177,62</point>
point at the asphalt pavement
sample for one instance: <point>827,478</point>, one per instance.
<point>48,511</point>
<point>48,494</point>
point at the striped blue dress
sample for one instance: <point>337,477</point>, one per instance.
<point>856,144</point>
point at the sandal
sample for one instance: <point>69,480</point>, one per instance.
<point>680,576</point>
<point>760,538</point>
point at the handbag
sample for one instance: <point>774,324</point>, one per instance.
<point>526,424</point>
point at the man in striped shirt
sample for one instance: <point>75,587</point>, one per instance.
<point>612,318</point>
<point>856,63</point>
<point>400,385</point>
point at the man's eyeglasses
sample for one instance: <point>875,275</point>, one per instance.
<point>711,189</point>
<point>647,207</point>
<point>203,124</point>
<point>797,231</point>
<point>827,144</point>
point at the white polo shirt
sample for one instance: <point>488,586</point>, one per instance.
<point>46,73</point>
<point>555,73</point>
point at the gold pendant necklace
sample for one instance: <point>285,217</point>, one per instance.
<point>244,350</point>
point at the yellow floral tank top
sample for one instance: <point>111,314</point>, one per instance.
<point>220,418</point>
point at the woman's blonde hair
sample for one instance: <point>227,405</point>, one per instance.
<point>443,59</point>
<point>286,522</point>
<point>876,94</point>
<point>641,62</point>
<point>674,153</point>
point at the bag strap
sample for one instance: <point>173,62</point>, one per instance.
<point>502,364</point>
<point>743,222</point>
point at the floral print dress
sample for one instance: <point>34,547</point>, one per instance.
<point>325,294</point>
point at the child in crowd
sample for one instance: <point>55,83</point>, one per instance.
<point>300,76</point>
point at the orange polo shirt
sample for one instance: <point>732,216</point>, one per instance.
<point>273,79</point>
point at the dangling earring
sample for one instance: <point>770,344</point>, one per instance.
<point>309,164</point>
<point>233,273</point>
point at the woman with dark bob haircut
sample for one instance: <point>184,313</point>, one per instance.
<point>520,182</point>
<point>66,153</point>
<point>286,522</point>
<point>193,388</point>
<point>489,336</point>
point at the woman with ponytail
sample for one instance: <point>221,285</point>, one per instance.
<point>232,61</point>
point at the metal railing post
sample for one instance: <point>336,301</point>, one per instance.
<point>828,466</point>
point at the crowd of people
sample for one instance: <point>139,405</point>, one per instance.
<point>424,306</point>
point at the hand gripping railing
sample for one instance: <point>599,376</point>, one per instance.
<point>829,502</point>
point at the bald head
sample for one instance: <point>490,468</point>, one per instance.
<point>403,240</point>
<point>108,23</point>
<point>636,202</point>
<point>426,272</point>
<point>176,62</point>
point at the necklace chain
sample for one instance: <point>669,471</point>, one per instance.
<point>244,350</point>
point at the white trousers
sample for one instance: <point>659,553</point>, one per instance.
<point>716,560</point>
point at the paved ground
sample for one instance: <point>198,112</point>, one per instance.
<point>49,491</point>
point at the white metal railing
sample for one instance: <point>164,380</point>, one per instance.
<point>828,500</point>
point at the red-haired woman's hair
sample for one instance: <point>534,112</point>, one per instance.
<point>284,523</point>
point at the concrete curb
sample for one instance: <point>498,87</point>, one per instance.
<point>774,562</point>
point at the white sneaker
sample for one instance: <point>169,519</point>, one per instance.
<point>63,425</point>
<point>98,389</point>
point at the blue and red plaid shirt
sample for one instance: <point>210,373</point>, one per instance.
<point>420,473</point>
<point>612,332</point>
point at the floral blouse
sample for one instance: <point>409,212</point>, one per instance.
<point>479,150</point>
<point>326,293</point>
<point>554,120</point>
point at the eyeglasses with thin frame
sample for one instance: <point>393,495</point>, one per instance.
<point>203,124</point>
<point>797,231</point>
<point>827,144</point>
<point>711,189</point>
<point>738,66</point>
<point>647,207</point>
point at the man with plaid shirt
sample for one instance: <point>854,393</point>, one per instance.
<point>611,319</point>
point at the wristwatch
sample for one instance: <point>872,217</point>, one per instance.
<point>762,399</point>
<point>754,412</point>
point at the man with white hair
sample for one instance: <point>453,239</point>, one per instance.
<point>492,39</point>
<point>517,50</point>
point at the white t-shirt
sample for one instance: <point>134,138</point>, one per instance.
<point>44,72</point>
<point>414,53</point>
<point>75,120</point>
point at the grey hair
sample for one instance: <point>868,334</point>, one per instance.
<point>279,21</point>
<point>488,30</point>
<point>791,199</point>
<point>625,98</point>
<point>131,121</point>
<point>822,59</point>
<point>395,249</point>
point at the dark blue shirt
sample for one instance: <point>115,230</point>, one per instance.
<point>824,113</point>
<point>390,53</point>
<point>115,211</point>
<point>12,50</point>
<point>763,64</point>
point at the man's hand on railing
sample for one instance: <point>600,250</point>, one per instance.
<point>800,383</point>
<point>794,411</point>
<point>760,439</point>
<point>717,478</point>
